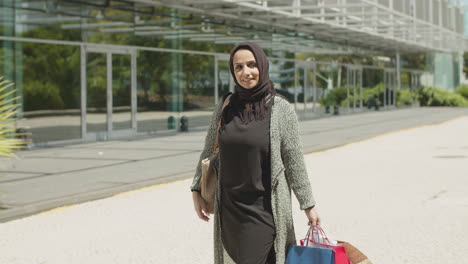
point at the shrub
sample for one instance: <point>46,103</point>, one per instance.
<point>39,96</point>
<point>432,96</point>
<point>405,97</point>
<point>462,90</point>
<point>372,96</point>
<point>335,97</point>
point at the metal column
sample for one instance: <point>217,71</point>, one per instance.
<point>315,87</point>
<point>109,92</point>
<point>396,85</point>
<point>347,88</point>
<point>360,89</point>
<point>216,80</point>
<point>398,70</point>
<point>306,80</point>
<point>296,85</point>
<point>385,90</point>
<point>133,66</point>
<point>354,88</point>
<point>83,91</point>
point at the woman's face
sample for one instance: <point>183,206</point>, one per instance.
<point>245,68</point>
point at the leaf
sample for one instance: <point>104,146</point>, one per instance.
<point>9,139</point>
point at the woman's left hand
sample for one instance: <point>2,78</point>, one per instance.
<point>312,215</point>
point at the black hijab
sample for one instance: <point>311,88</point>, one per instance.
<point>251,103</point>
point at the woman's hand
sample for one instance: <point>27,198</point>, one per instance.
<point>200,206</point>
<point>312,215</point>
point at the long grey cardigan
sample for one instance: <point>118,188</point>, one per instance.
<point>287,172</point>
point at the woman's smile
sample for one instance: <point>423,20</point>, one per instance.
<point>248,81</point>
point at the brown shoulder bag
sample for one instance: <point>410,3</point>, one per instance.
<point>209,176</point>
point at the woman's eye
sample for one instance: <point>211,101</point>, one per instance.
<point>252,65</point>
<point>238,67</point>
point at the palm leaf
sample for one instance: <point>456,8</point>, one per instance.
<point>9,139</point>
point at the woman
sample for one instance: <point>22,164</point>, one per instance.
<point>260,162</point>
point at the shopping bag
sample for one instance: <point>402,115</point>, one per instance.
<point>321,240</point>
<point>354,254</point>
<point>309,255</point>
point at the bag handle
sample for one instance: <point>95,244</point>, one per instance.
<point>320,231</point>
<point>306,239</point>
<point>216,143</point>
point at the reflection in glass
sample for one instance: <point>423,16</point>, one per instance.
<point>198,87</point>
<point>121,92</point>
<point>282,76</point>
<point>301,90</point>
<point>224,77</point>
<point>309,88</point>
<point>405,80</point>
<point>324,81</point>
<point>96,92</point>
<point>154,95</point>
<point>51,90</point>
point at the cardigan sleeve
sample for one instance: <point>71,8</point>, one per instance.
<point>209,144</point>
<point>293,159</point>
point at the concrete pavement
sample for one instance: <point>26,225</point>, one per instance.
<point>42,179</point>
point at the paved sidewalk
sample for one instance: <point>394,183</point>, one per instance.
<point>400,197</point>
<point>47,178</point>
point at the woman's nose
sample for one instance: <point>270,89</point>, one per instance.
<point>247,71</point>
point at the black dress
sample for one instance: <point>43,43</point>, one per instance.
<point>247,226</point>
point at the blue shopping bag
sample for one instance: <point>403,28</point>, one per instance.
<point>309,255</point>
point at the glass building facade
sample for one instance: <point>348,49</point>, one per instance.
<point>97,70</point>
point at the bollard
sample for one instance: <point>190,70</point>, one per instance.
<point>171,122</point>
<point>184,124</point>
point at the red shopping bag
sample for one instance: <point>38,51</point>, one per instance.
<point>354,254</point>
<point>339,251</point>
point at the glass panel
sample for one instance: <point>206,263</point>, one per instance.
<point>300,88</point>
<point>48,20</point>
<point>154,91</point>
<point>405,80</point>
<point>50,76</point>
<point>309,88</point>
<point>282,76</point>
<point>224,77</point>
<point>96,94</point>
<point>325,82</point>
<point>121,92</point>
<point>198,87</point>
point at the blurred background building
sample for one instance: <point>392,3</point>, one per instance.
<point>103,69</point>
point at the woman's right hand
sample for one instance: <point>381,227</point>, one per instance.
<point>200,206</point>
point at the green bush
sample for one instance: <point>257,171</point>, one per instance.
<point>405,97</point>
<point>462,90</point>
<point>428,96</point>
<point>370,96</point>
<point>335,97</point>
<point>39,96</point>
<point>373,96</point>
<point>432,96</point>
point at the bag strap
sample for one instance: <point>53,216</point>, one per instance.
<point>310,234</point>
<point>216,147</point>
